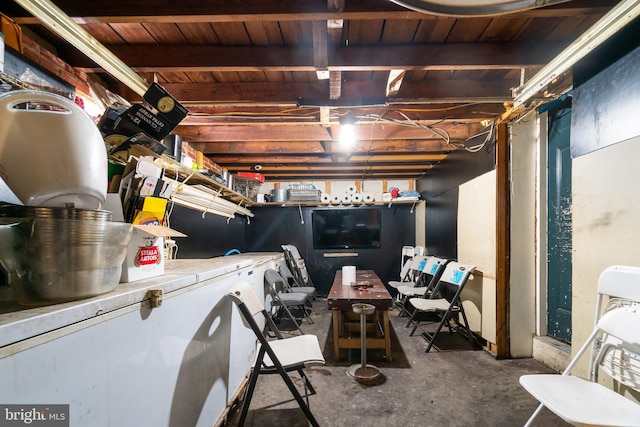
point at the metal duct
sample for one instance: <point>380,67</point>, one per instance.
<point>473,7</point>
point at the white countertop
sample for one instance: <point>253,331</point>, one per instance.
<point>18,323</point>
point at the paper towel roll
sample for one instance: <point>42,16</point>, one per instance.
<point>346,199</point>
<point>335,200</point>
<point>356,199</point>
<point>351,189</point>
<point>348,275</point>
<point>369,199</point>
<point>325,198</point>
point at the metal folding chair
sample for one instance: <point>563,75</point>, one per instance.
<point>615,351</point>
<point>279,356</point>
<point>283,300</point>
<point>293,284</point>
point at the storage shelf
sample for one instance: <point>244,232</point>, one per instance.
<point>178,172</point>
<point>328,205</point>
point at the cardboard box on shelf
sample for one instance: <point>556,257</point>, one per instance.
<point>145,125</point>
<point>145,253</point>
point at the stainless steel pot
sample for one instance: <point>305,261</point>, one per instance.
<point>279,195</point>
<point>48,261</point>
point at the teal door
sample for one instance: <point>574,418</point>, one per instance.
<point>559,225</point>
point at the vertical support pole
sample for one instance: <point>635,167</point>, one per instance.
<point>503,255</point>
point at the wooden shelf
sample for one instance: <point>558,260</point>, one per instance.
<point>328,205</point>
<point>178,172</point>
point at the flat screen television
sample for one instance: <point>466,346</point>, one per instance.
<point>346,228</point>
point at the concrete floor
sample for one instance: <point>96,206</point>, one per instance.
<point>457,387</point>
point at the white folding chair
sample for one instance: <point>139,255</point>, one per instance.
<point>297,265</point>
<point>408,252</point>
<point>430,275</point>
<point>410,273</point>
<point>615,350</point>
<point>279,356</point>
<point>447,305</point>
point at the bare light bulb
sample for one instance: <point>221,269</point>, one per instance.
<point>347,135</point>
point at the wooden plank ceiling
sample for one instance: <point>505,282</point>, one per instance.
<point>268,82</point>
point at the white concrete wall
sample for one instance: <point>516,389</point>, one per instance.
<point>606,226</point>
<point>522,281</point>
<point>477,246</point>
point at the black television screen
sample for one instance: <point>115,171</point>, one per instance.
<point>346,228</point>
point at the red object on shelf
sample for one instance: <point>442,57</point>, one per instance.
<point>252,175</point>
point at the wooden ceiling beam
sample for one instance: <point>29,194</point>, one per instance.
<point>168,11</point>
<point>266,169</point>
<point>197,58</point>
<point>290,92</point>
<point>295,147</point>
<point>470,108</point>
<point>355,174</point>
<point>319,160</point>
<point>278,132</point>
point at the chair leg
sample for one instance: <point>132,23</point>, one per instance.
<point>467,328</point>
<point>308,388</point>
<point>294,391</point>
<point>415,321</point>
<point>292,317</point>
<point>534,415</point>
<point>253,379</point>
<point>445,318</point>
<point>306,315</point>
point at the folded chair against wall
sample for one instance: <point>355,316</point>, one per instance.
<point>430,276</point>
<point>284,300</point>
<point>297,265</point>
<point>408,252</point>
<point>447,304</point>
<point>279,356</point>
<point>615,351</point>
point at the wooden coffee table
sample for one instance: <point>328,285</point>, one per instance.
<point>346,323</point>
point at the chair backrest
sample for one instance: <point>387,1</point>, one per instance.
<point>294,252</point>
<point>453,279</point>
<point>416,266</point>
<point>618,281</point>
<point>432,271</point>
<point>408,251</point>
<point>243,293</point>
<point>617,352</point>
<point>286,274</point>
<point>406,268</point>
<point>621,284</point>
<point>275,281</point>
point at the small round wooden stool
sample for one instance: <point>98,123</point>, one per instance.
<point>363,372</point>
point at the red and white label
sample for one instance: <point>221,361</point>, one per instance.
<point>147,255</point>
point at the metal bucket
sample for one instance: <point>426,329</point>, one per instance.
<point>279,195</point>
<point>48,261</point>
